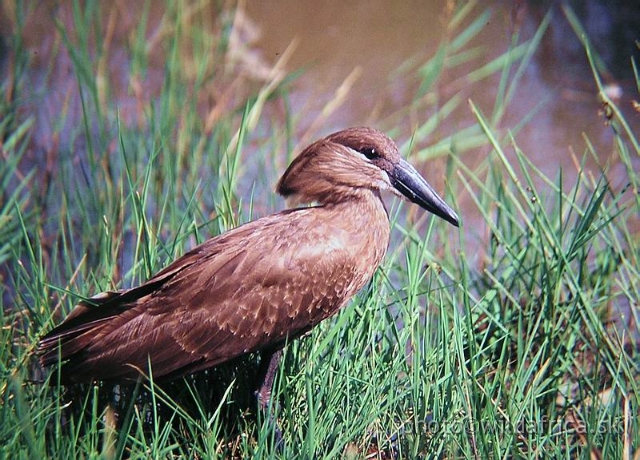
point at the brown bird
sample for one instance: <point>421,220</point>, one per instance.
<point>255,287</point>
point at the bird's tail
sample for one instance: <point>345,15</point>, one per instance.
<point>76,332</point>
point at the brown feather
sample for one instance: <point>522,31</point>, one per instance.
<point>224,298</point>
<point>252,288</point>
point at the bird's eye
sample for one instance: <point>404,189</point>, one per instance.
<point>370,153</point>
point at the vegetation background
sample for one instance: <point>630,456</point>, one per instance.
<point>514,337</point>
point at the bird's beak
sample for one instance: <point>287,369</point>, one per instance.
<point>411,184</point>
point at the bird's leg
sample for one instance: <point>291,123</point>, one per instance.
<point>266,376</point>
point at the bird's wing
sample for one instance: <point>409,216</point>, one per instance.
<point>248,289</point>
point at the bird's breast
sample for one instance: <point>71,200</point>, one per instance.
<point>359,229</point>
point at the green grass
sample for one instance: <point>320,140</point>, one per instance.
<point>517,349</point>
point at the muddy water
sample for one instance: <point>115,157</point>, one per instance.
<point>556,93</point>
<point>356,50</point>
<point>377,37</point>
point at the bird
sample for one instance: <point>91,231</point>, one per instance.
<point>258,286</point>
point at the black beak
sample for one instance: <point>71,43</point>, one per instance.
<point>411,184</point>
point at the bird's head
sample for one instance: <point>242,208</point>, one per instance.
<point>356,160</point>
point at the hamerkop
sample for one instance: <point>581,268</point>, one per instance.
<point>257,286</point>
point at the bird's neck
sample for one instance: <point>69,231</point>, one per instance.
<point>364,218</point>
<point>366,206</point>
